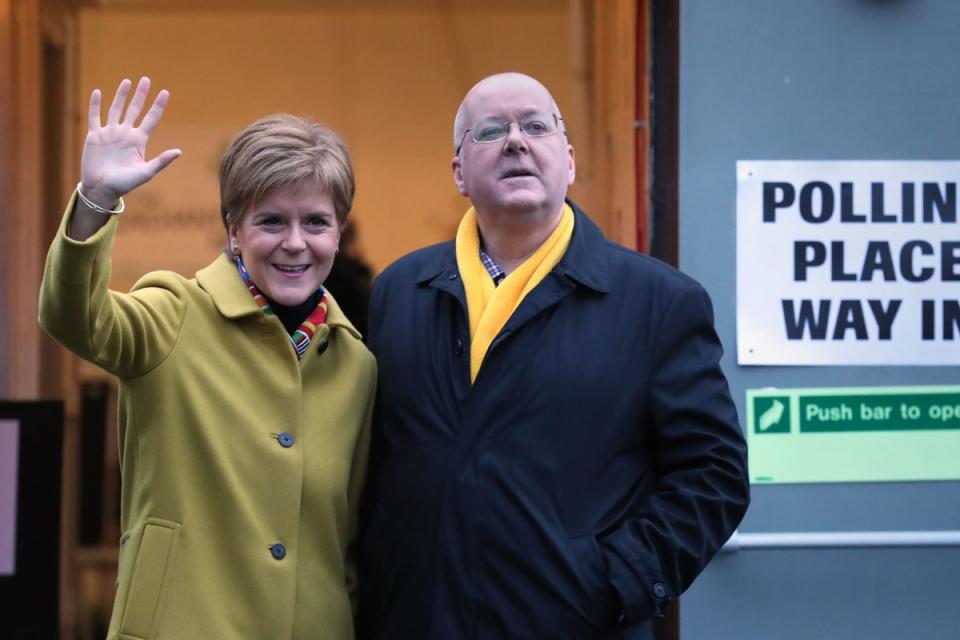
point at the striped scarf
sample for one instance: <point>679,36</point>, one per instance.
<point>304,334</point>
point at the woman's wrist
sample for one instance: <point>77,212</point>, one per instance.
<point>84,221</point>
<point>99,200</point>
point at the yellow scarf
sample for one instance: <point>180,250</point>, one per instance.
<point>490,306</point>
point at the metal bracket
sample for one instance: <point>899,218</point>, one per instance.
<point>840,540</point>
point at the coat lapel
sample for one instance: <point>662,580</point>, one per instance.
<point>222,282</point>
<point>585,264</point>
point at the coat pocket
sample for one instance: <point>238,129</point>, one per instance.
<point>149,578</point>
<point>600,600</point>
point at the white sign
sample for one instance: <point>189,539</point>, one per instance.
<point>848,263</point>
<point>9,453</point>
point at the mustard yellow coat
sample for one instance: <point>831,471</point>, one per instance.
<point>229,446</point>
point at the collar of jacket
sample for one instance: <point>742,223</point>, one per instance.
<point>222,281</point>
<point>586,261</point>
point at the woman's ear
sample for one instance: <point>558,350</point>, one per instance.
<point>233,233</point>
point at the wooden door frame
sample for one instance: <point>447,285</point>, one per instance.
<point>658,167</point>
<point>657,161</point>
<point>625,57</point>
<point>32,34</point>
<point>664,142</point>
<point>20,194</point>
<point>631,165</point>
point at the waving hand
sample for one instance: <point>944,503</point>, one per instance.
<point>114,154</point>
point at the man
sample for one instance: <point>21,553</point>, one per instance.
<point>557,452</point>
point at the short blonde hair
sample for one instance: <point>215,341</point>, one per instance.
<point>283,150</point>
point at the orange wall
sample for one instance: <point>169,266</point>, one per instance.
<point>388,82</point>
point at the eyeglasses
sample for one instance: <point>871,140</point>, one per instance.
<point>493,130</point>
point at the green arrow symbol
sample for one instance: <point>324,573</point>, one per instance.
<point>772,415</point>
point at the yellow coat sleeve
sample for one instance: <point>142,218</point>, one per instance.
<point>127,334</point>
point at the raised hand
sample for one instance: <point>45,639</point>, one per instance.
<point>114,155</point>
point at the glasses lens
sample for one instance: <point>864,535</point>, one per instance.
<point>490,130</point>
<point>539,125</point>
<point>534,126</point>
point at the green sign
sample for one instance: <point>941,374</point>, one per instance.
<point>773,414</point>
<point>854,434</point>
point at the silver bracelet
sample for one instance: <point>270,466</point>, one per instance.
<point>98,208</point>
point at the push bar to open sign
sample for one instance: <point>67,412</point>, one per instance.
<point>875,412</point>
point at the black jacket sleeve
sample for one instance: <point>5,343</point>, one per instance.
<point>701,487</point>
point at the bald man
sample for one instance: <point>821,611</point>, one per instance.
<point>556,451</point>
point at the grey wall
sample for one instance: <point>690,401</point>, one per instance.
<point>824,80</point>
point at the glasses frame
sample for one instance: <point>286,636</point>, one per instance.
<point>557,120</point>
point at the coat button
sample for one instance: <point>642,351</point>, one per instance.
<point>322,347</point>
<point>452,276</point>
<point>286,440</point>
<point>459,348</point>
<point>278,551</point>
<point>659,590</point>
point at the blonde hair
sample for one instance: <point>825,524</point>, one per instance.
<point>283,150</point>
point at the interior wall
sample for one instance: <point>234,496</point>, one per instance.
<point>388,80</point>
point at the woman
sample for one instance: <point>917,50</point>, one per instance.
<point>245,394</point>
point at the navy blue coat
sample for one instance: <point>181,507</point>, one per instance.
<point>584,480</point>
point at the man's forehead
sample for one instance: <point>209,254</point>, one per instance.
<point>507,111</point>
<point>508,95</point>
